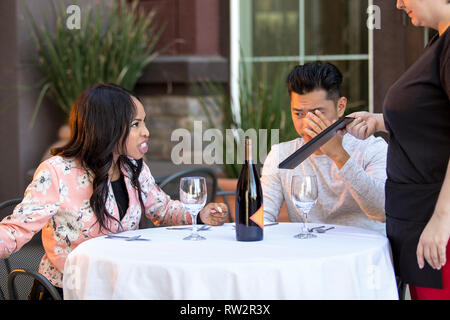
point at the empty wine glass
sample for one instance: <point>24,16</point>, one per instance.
<point>193,196</point>
<point>304,195</point>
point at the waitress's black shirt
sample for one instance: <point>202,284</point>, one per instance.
<point>417,117</point>
<point>121,195</point>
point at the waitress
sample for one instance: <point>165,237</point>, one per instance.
<point>417,118</point>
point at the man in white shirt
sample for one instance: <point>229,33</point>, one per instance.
<point>351,173</point>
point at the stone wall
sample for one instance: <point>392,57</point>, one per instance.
<point>166,114</point>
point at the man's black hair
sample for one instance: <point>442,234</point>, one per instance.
<point>313,76</point>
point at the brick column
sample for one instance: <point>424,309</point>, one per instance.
<point>196,34</point>
<point>396,46</point>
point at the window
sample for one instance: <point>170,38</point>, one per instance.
<point>272,36</point>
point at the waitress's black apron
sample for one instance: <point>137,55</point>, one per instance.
<point>409,207</point>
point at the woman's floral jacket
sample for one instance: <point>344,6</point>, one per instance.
<point>57,202</point>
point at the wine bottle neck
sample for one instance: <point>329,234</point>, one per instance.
<point>248,151</point>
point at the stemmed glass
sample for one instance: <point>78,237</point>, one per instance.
<point>193,196</point>
<point>304,195</point>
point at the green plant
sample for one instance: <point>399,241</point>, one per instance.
<point>113,44</point>
<point>264,104</point>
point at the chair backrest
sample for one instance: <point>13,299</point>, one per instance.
<point>225,195</point>
<point>20,274</point>
<point>6,208</point>
<point>28,257</point>
<point>171,184</point>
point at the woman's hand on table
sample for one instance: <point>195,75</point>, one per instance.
<point>214,214</point>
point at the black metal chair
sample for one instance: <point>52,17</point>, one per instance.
<point>224,194</point>
<point>171,184</point>
<point>5,266</point>
<point>20,269</point>
<point>12,290</point>
<point>5,269</point>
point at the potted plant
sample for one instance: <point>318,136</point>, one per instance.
<point>263,104</point>
<point>113,44</point>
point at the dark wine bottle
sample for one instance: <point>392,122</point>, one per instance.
<point>249,201</point>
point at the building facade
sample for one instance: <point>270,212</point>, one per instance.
<point>195,46</point>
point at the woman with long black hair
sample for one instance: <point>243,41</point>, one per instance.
<point>96,184</point>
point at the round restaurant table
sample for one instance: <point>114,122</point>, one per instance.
<point>343,263</point>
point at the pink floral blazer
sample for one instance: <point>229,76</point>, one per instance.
<point>57,201</point>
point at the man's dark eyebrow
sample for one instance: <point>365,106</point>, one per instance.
<point>300,109</point>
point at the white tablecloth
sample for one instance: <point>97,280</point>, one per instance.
<point>344,263</point>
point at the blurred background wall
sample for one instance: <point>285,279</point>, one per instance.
<point>197,44</point>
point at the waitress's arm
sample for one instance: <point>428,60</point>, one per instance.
<point>434,239</point>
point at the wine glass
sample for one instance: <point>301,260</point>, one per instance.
<point>304,195</point>
<point>193,196</point>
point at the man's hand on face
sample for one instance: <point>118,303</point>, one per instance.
<point>316,123</point>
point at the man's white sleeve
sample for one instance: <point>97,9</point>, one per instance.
<point>366,183</point>
<point>271,185</point>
